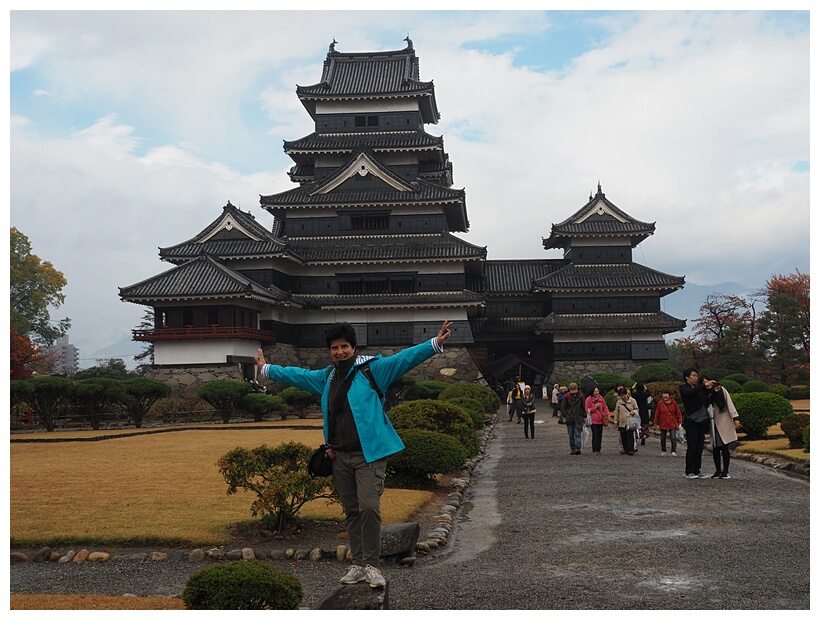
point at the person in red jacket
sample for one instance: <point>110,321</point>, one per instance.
<point>668,418</point>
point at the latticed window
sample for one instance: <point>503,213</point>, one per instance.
<point>370,221</point>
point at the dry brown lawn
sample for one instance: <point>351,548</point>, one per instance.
<point>89,601</point>
<point>159,488</point>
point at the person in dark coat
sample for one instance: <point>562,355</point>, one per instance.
<point>694,395</point>
<point>643,397</point>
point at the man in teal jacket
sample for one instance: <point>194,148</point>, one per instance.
<point>358,432</point>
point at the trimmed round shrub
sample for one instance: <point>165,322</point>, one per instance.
<point>793,427</point>
<point>659,371</point>
<point>779,388</point>
<point>473,407</point>
<point>733,387</point>
<point>656,389</point>
<point>798,393</point>
<point>422,390</point>
<point>737,376</point>
<point>260,405</point>
<point>426,454</point>
<point>440,416</point>
<point>489,400</point>
<point>760,410</point>
<point>607,380</point>
<point>806,435</point>
<point>242,585</point>
<point>754,386</point>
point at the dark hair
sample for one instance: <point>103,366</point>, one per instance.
<point>639,387</point>
<point>622,391</point>
<point>342,331</point>
<point>688,372</point>
<point>667,392</point>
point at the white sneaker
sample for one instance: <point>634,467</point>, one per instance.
<point>374,577</point>
<point>354,575</point>
<point>674,454</point>
<point>663,453</point>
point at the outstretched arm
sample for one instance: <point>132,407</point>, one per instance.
<point>260,359</point>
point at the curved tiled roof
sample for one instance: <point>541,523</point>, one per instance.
<point>577,278</point>
<point>307,195</point>
<point>202,277</point>
<point>265,242</point>
<point>502,325</point>
<point>384,248</point>
<point>630,322</point>
<point>416,140</point>
<point>587,222</point>
<point>517,276</point>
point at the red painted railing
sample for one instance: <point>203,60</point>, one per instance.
<point>202,333</point>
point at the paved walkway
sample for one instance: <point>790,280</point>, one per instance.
<point>541,529</point>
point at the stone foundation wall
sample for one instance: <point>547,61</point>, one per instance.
<point>572,371</point>
<point>185,381</point>
<point>454,366</point>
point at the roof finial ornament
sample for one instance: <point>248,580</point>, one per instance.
<point>332,47</point>
<point>409,42</point>
<point>599,188</point>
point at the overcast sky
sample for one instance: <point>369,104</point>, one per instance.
<point>130,130</point>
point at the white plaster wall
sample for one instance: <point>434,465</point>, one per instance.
<point>202,351</point>
<point>367,105</point>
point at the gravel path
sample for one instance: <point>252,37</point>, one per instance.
<point>541,529</point>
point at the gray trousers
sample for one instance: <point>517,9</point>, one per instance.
<point>360,486</point>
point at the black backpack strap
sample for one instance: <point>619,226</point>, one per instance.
<point>365,370</point>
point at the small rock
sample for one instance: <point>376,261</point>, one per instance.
<point>55,555</point>
<point>215,554</point>
<point>158,556</point>
<point>138,556</point>
<point>289,554</point>
<point>341,552</point>
<point>67,557</point>
<point>233,555</point>
<point>248,555</point>
<point>177,556</point>
<point>408,561</point>
<point>197,555</point>
<point>260,554</point>
<point>43,555</point>
<point>17,557</point>
<point>276,554</point>
<point>301,553</point>
<point>315,555</point>
<point>98,556</point>
<point>81,556</point>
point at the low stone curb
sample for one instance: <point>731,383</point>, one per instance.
<point>434,539</point>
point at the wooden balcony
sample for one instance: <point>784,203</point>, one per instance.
<point>203,333</point>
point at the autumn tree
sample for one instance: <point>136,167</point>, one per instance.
<point>35,286</point>
<point>27,357</point>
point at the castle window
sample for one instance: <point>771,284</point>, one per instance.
<point>360,121</point>
<point>372,121</point>
<point>369,221</point>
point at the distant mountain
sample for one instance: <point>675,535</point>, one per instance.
<point>124,349</point>
<point>686,303</point>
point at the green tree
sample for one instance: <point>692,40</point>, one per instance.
<point>260,405</point>
<point>782,337</point>
<point>50,399</point>
<point>147,322</point>
<point>224,395</point>
<point>138,396</point>
<point>91,398</point>
<point>299,399</point>
<point>35,285</point>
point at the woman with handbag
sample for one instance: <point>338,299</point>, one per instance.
<point>598,416</point>
<point>668,418</point>
<point>628,420</point>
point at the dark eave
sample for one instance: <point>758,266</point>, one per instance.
<point>495,326</point>
<point>384,249</point>
<point>510,277</point>
<point>437,299</point>
<point>201,278</point>
<point>626,322</point>
<point>607,278</point>
<point>303,149</point>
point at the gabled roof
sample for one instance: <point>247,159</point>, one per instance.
<point>384,248</point>
<point>598,218</point>
<point>387,188</point>
<point>201,278</point>
<point>607,278</point>
<point>517,276</point>
<point>371,75</point>
<point>234,234</point>
<point>623,322</point>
